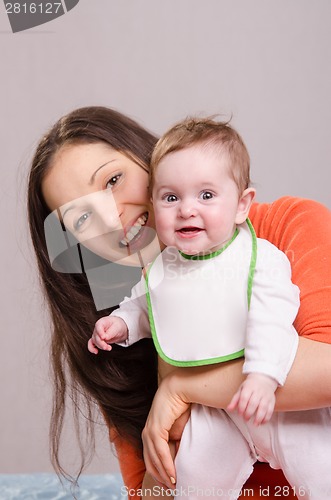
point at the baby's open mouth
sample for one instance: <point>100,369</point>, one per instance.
<point>134,231</point>
<point>189,230</point>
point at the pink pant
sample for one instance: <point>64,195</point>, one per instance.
<point>217,453</point>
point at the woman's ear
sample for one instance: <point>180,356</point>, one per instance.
<point>244,205</point>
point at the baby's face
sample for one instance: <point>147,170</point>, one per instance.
<point>195,200</point>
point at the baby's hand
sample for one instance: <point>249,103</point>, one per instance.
<point>256,395</point>
<point>108,330</point>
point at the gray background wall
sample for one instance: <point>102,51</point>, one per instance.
<point>266,62</point>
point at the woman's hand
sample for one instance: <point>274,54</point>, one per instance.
<point>152,488</point>
<point>167,407</point>
<point>177,429</point>
<point>176,391</point>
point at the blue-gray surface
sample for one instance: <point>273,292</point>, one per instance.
<point>48,487</point>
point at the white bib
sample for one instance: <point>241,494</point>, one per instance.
<point>198,306</point>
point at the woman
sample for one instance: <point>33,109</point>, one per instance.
<point>123,389</point>
<point>94,150</point>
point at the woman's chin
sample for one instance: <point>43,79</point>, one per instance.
<point>140,251</point>
<point>143,256</point>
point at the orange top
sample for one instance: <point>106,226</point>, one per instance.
<point>302,230</point>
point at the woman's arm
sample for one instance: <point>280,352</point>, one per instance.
<point>214,385</point>
<point>308,384</point>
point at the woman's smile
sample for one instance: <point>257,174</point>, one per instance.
<point>133,232</point>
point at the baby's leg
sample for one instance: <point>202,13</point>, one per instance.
<point>213,460</point>
<point>303,447</point>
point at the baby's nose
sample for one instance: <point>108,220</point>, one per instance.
<point>187,209</point>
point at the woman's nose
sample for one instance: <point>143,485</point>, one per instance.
<point>109,214</point>
<point>110,221</point>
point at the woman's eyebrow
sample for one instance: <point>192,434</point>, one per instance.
<point>97,170</point>
<point>66,210</point>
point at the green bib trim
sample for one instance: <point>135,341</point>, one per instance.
<point>213,254</point>
<point>252,264</point>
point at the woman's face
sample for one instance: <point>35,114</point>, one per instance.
<point>102,198</point>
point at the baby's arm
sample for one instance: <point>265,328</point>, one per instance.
<point>255,396</point>
<point>271,340</point>
<point>108,330</point>
<point>126,325</point>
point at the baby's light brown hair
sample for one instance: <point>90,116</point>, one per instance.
<point>216,136</point>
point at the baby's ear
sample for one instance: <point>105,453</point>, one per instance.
<point>244,205</point>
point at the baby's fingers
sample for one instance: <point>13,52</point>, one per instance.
<point>91,347</point>
<point>248,408</point>
<point>234,401</point>
<point>100,343</point>
<point>264,412</point>
<point>100,328</point>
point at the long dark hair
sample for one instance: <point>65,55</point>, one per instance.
<point>121,384</point>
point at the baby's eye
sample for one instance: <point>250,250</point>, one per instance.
<point>171,198</point>
<point>81,220</point>
<point>207,195</point>
<point>113,180</point>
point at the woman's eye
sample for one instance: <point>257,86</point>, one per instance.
<point>113,180</point>
<point>170,198</point>
<point>207,195</point>
<point>81,220</point>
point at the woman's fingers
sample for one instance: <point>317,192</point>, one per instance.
<point>166,408</point>
<point>158,461</point>
<point>177,429</point>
